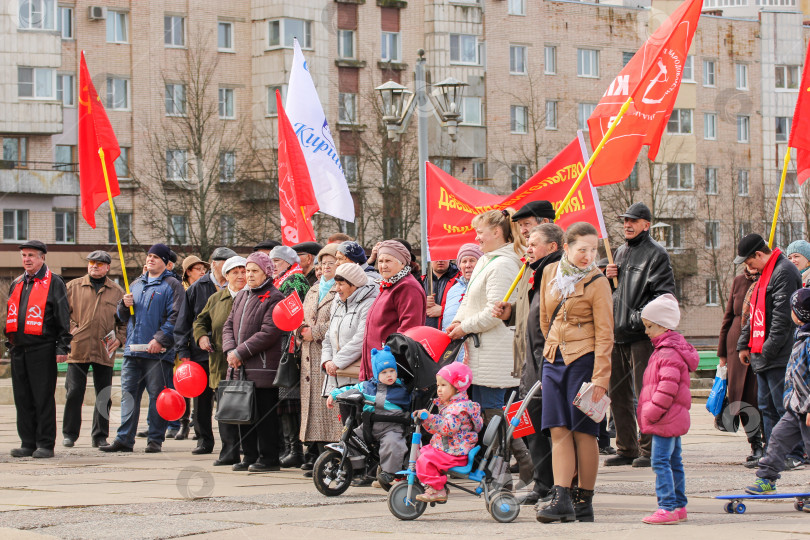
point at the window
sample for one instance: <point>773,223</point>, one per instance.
<point>520,173</point>
<point>471,111</point>
<point>479,171</point>
<point>551,115</point>
<point>15,225</point>
<point>708,73</point>
<point>680,123</point>
<point>178,230</point>
<point>64,22</point>
<point>225,36</point>
<point>712,234</point>
<point>743,128</point>
<point>390,51</point>
<point>444,164</point>
<point>550,55</point>
<point>787,232</point>
<point>174,31</point>
<point>517,60</point>
<point>122,163</point>
<point>741,76</point>
<point>787,77</point>
<point>284,31</point>
<point>710,126</point>
<point>227,229</point>
<point>391,173</point>
<point>349,165</point>
<point>674,238</point>
<point>118,94</point>
<point>37,14</point>
<point>626,57</point>
<point>742,183</point>
<point>64,90</point>
<point>680,176</point>
<point>463,49</point>
<point>346,43</point>
<point>117,27</point>
<point>124,220</point>
<point>226,103</point>
<point>65,227</point>
<point>347,108</point>
<point>517,7</point>
<point>783,124</point>
<point>176,165</point>
<point>711,181</point>
<point>15,151</point>
<point>36,83</point>
<point>175,99</point>
<point>584,111</point>
<point>64,157</point>
<point>744,228</point>
<point>272,109</point>
<point>519,116</point>
<point>689,69</point>
<point>712,292</point>
<point>227,167</point>
<point>587,63</point>
<point>791,185</point>
<point>632,180</point>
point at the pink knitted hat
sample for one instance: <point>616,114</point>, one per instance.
<point>457,374</point>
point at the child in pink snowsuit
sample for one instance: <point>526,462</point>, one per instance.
<point>455,430</point>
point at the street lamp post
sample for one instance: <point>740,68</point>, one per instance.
<point>397,109</point>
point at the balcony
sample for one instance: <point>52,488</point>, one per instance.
<point>39,178</point>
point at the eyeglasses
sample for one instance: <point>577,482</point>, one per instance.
<point>96,263</point>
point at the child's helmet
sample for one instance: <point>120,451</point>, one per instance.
<point>382,360</point>
<point>458,374</point>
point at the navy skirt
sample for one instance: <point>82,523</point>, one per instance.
<point>560,386</point>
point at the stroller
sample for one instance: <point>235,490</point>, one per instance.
<point>487,465</point>
<point>420,353</point>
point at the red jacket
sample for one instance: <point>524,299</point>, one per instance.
<point>663,407</point>
<point>395,309</point>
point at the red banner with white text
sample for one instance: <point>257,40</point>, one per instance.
<point>452,204</point>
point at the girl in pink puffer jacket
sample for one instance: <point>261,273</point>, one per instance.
<point>663,406</point>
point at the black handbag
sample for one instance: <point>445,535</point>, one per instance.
<point>236,403</point>
<point>288,374</point>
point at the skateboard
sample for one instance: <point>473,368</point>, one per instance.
<point>736,505</point>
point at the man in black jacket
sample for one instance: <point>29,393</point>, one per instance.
<point>38,333</point>
<point>195,299</point>
<point>766,339</point>
<point>644,272</point>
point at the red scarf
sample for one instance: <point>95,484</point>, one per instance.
<point>758,305</point>
<point>294,269</point>
<point>36,305</point>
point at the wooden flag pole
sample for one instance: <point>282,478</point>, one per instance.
<point>779,197</point>
<point>593,157</point>
<point>115,225</point>
<point>515,283</point>
<point>609,253</point>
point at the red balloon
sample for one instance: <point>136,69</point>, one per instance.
<point>432,339</point>
<point>190,379</point>
<point>289,313</point>
<point>170,404</point>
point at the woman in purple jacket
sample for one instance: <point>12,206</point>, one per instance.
<point>251,339</point>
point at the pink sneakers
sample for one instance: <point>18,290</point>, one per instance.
<point>662,517</point>
<point>681,513</point>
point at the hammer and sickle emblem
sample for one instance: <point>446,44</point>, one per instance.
<point>85,92</point>
<point>12,310</point>
<point>661,76</point>
<point>35,312</point>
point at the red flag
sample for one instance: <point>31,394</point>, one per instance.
<point>652,78</point>
<point>296,195</point>
<point>451,204</point>
<point>95,132</point>
<point>800,132</point>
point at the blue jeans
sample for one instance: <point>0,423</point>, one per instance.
<point>670,481</point>
<point>770,392</point>
<point>137,375</point>
<point>488,398</point>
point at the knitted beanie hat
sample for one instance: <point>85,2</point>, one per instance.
<point>382,360</point>
<point>469,250</point>
<point>352,273</point>
<point>396,250</point>
<point>802,247</point>
<point>458,374</point>
<point>664,311</point>
<point>263,261</point>
<point>800,304</point>
<point>353,251</point>
<point>285,253</point>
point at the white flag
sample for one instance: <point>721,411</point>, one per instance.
<point>309,122</point>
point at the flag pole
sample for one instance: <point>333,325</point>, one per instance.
<point>596,152</point>
<point>115,224</point>
<point>779,198</point>
<point>515,283</point>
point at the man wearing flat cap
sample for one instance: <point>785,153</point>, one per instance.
<point>532,214</point>
<point>265,246</point>
<point>38,336</point>
<point>97,334</point>
<point>644,272</point>
<point>307,253</point>
<point>767,337</point>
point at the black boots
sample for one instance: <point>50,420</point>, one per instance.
<point>294,455</point>
<point>583,503</point>
<point>561,507</point>
<point>182,435</point>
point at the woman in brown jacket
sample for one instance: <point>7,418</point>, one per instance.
<point>742,382</point>
<point>579,341</point>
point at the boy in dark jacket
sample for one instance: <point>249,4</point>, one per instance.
<point>390,397</point>
<point>794,426</point>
